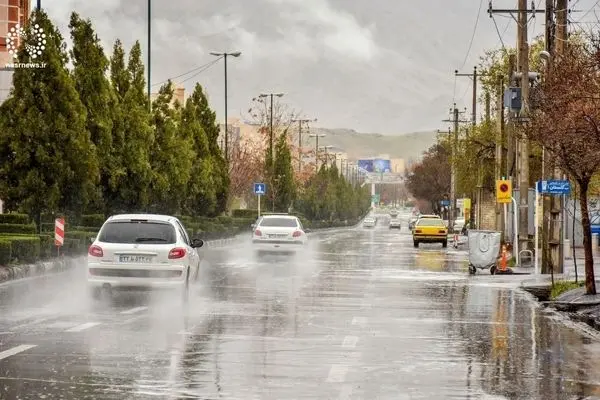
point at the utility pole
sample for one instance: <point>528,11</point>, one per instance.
<point>317,136</point>
<point>149,54</point>
<point>271,95</point>
<point>524,142</point>
<point>454,145</point>
<point>556,208</point>
<point>473,76</point>
<point>522,145</point>
<point>300,122</point>
<point>499,147</point>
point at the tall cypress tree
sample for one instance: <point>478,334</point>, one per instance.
<point>201,195</point>
<point>132,129</point>
<point>172,155</point>
<point>284,185</point>
<point>48,161</point>
<point>220,170</point>
<point>89,75</point>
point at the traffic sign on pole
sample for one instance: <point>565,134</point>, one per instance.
<point>503,191</point>
<point>555,186</point>
<point>260,188</point>
<point>59,232</point>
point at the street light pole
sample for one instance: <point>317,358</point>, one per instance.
<point>149,54</point>
<point>39,5</point>
<point>224,55</point>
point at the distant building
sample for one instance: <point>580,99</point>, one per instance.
<point>398,165</point>
<point>178,95</point>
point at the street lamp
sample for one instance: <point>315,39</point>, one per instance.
<point>224,55</point>
<point>262,96</point>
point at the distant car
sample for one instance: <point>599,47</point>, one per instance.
<point>394,213</point>
<point>369,222</point>
<point>142,251</point>
<point>395,223</point>
<point>430,230</point>
<point>279,233</point>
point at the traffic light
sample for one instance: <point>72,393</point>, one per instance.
<point>503,191</point>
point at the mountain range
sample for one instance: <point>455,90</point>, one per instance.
<point>408,146</point>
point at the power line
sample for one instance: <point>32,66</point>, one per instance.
<point>473,35</point>
<point>499,34</point>
<point>199,69</point>
<point>588,11</point>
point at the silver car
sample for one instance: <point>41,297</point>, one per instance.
<point>369,222</point>
<point>395,223</point>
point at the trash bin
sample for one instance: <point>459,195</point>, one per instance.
<point>568,253</point>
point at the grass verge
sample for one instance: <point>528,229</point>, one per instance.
<point>561,287</point>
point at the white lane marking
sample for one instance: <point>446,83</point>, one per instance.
<point>350,342</point>
<point>337,373</point>
<point>133,310</point>
<point>83,327</point>
<point>362,321</point>
<point>132,319</point>
<point>16,350</point>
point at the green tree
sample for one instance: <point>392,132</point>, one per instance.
<point>132,129</point>
<point>283,183</point>
<point>172,155</point>
<point>48,161</point>
<point>201,196</point>
<point>90,65</point>
<point>220,172</point>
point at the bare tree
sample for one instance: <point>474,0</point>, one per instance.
<point>246,159</point>
<point>566,121</point>
<point>260,114</point>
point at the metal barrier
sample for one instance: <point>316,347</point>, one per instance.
<point>526,258</point>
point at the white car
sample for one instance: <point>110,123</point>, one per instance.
<point>142,251</point>
<point>369,222</point>
<point>278,234</point>
<point>395,223</point>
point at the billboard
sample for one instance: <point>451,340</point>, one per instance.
<point>375,165</point>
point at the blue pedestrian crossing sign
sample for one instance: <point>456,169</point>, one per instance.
<point>260,188</point>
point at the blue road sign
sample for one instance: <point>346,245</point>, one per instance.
<point>260,188</point>
<point>554,187</point>
<point>445,203</point>
<point>595,228</point>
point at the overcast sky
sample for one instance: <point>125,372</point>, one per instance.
<point>370,65</point>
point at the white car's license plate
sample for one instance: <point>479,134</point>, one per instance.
<point>135,259</point>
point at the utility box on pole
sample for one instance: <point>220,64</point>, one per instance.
<point>512,98</point>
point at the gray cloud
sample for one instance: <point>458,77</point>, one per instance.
<point>373,66</point>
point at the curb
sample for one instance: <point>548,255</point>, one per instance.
<point>14,273</point>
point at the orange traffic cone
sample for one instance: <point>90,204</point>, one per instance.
<point>503,259</point>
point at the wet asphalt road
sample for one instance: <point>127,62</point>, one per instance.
<point>362,315</point>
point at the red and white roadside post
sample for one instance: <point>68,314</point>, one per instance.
<point>59,233</point>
